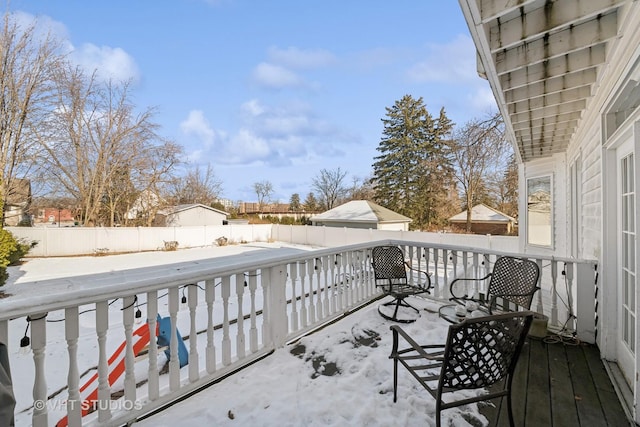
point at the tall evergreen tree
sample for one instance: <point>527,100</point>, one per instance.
<point>412,174</point>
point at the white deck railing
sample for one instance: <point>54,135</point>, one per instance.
<point>230,313</point>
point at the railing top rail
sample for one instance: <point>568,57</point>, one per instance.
<point>30,297</point>
<point>484,251</point>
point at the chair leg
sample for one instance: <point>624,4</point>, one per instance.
<point>397,303</point>
<point>510,409</point>
<point>395,379</point>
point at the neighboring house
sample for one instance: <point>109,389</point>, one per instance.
<point>191,214</point>
<point>484,220</point>
<point>362,214</point>
<point>145,204</point>
<point>56,216</point>
<point>17,202</point>
<point>566,77</point>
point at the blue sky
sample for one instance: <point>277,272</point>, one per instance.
<point>275,90</point>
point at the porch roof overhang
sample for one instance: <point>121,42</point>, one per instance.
<point>543,60</point>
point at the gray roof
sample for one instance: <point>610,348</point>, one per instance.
<point>360,211</point>
<point>483,213</point>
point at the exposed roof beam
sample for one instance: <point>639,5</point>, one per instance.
<point>491,9</point>
<point>552,16</point>
<point>560,43</point>
<point>541,140</point>
<point>547,123</point>
<point>569,120</point>
<point>557,98</point>
<point>550,111</point>
<point>555,84</point>
<point>555,67</point>
<point>542,132</point>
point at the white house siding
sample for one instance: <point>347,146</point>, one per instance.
<point>598,209</point>
<point>195,216</point>
<point>394,226</point>
<point>590,236</point>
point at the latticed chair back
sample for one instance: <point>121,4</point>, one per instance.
<point>390,273</point>
<point>514,280</point>
<point>480,352</point>
<point>388,266</point>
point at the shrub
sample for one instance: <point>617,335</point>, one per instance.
<point>11,250</point>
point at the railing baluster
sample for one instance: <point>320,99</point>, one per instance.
<point>293,274</point>
<point>317,274</point>
<point>335,282</point>
<point>348,268</point>
<point>192,301</point>
<point>303,294</point>
<point>539,305</point>
<point>253,330</point>
<point>174,360</point>
<point>104,391</point>
<point>436,275</point>
<point>210,296</point>
<point>240,339</point>
<point>38,345</point>
<point>568,274</point>
<point>475,284</point>
<point>152,313</point>
<point>554,292</point>
<point>344,280</point>
<point>129,374</point>
<point>311,264</point>
<point>454,262</point>
<point>411,264</point>
<point>226,340</point>
<point>325,286</point>
<point>71,333</point>
<point>445,267</point>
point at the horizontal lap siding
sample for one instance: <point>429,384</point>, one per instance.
<point>591,209</point>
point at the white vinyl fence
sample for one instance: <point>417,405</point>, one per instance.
<point>69,241</point>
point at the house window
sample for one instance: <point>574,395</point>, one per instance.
<point>539,213</point>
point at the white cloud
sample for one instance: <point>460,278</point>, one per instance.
<point>268,135</point>
<point>197,125</point>
<point>252,108</point>
<point>453,62</point>
<point>275,76</point>
<point>43,26</point>
<point>483,100</point>
<point>302,59</point>
<point>108,62</point>
<point>246,147</point>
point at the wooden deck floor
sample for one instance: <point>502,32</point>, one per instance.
<point>561,385</point>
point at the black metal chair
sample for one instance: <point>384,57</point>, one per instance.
<point>479,353</point>
<point>390,270</point>
<point>512,281</point>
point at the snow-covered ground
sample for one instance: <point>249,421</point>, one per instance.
<point>289,388</point>
<point>284,389</point>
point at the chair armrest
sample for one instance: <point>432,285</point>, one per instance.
<point>455,296</point>
<point>427,276</point>
<point>414,346</point>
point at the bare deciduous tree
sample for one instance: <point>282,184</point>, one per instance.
<point>264,191</point>
<point>197,186</point>
<point>329,185</point>
<point>477,150</point>
<point>27,63</point>
<point>94,142</point>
